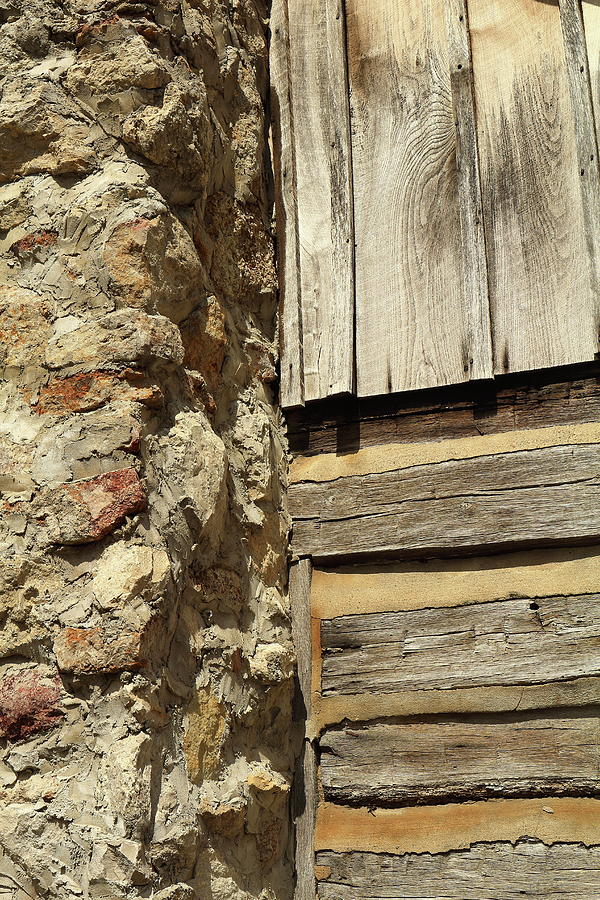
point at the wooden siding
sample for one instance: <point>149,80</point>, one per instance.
<point>535,496</point>
<point>413,310</point>
<point>402,762</point>
<point>500,870</point>
<point>519,641</point>
<point>441,162</point>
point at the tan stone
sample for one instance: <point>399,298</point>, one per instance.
<point>87,651</point>
<point>224,818</point>
<point>154,266</point>
<point>205,732</point>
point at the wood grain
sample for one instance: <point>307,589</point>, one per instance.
<point>324,179</point>
<point>591,20</point>
<point>541,293</point>
<point>520,641</point>
<point>473,255</point>
<point>534,498</point>
<point>502,871</point>
<point>571,15</point>
<point>391,763</point>
<point>304,795</point>
<point>288,251</point>
<point>413,316</point>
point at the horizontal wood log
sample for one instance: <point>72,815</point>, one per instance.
<point>533,400</point>
<point>533,497</point>
<point>501,871</point>
<point>520,641</point>
<point>414,762</point>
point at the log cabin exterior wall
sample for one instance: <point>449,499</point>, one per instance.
<point>446,536</point>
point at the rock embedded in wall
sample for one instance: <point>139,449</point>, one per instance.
<point>145,690</point>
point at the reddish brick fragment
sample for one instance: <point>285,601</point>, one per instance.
<point>89,651</point>
<point>88,510</point>
<point>29,703</point>
<point>34,241</point>
<point>90,390</point>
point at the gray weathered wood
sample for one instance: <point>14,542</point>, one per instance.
<point>591,19</point>
<point>531,497</point>
<point>397,763</point>
<point>520,641</point>
<point>324,185</point>
<point>474,263</point>
<point>292,376</point>
<point>542,304</point>
<point>571,15</point>
<point>304,800</point>
<point>299,592</point>
<point>413,318</point>
<point>486,871</point>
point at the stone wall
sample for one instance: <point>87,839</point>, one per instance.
<point>145,698</point>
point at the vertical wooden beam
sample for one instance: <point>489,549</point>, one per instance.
<point>304,803</point>
<point>571,15</point>
<point>324,186</point>
<point>290,321</point>
<point>469,192</point>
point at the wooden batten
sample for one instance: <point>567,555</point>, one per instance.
<point>571,14</point>
<point>473,256</point>
<point>304,796</point>
<point>292,364</point>
<point>319,91</point>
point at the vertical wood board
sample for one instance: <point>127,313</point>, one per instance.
<point>323,173</point>
<point>541,293</point>
<point>473,254</point>
<point>304,800</point>
<point>571,15</point>
<point>414,324</point>
<point>292,376</point>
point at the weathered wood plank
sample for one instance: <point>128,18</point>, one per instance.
<point>511,402</point>
<point>571,15</point>
<point>504,642</point>
<point>542,304</point>
<point>413,319</point>
<point>473,256</point>
<point>398,763</point>
<point>591,21</point>
<point>531,497</point>
<point>284,164</point>
<point>304,797</point>
<point>502,871</point>
<point>324,187</point>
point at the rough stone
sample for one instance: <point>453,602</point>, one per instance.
<point>29,703</point>
<point>143,533</point>
<point>86,651</point>
<point>88,510</point>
